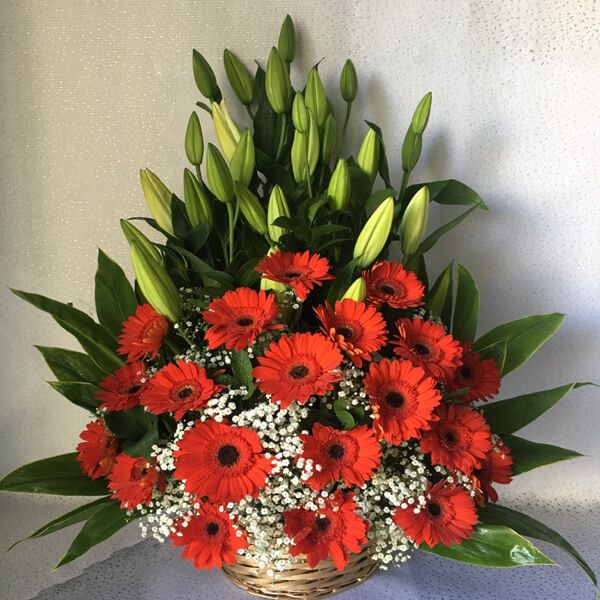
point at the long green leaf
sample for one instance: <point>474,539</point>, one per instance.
<point>493,546</point>
<point>137,429</point>
<point>81,513</point>
<point>241,365</point>
<point>492,514</point>
<point>68,365</point>
<point>440,298</point>
<point>99,527</point>
<point>523,337</point>
<point>450,192</point>
<point>512,414</point>
<point>115,298</point>
<point>528,455</point>
<point>79,393</point>
<point>497,351</point>
<point>466,309</point>
<point>57,475</point>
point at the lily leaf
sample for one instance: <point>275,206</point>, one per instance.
<point>68,365</point>
<point>79,393</point>
<point>528,455</point>
<point>466,309</point>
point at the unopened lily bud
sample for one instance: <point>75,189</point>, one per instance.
<point>219,177</point>
<point>205,78</point>
<point>243,160</point>
<point>315,97</point>
<point>348,82</point>
<point>239,77</point>
<point>251,208</point>
<point>338,191</point>
<point>133,234</point>
<point>197,202</point>
<point>287,40</point>
<point>357,291</point>
<point>278,207</point>
<point>194,141</point>
<point>329,139</point>
<point>374,234</point>
<point>414,221</point>
<point>227,131</point>
<point>411,149</point>
<point>277,83</point>
<point>156,285</point>
<point>299,113</point>
<point>368,155</point>
<point>313,142</point>
<point>298,156</point>
<point>421,114</point>
<point>158,199</point>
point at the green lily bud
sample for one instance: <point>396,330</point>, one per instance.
<point>197,202</point>
<point>421,114</point>
<point>299,113</point>
<point>194,141</point>
<point>348,82</point>
<point>414,221</point>
<point>243,160</point>
<point>227,131</point>
<point>239,77</point>
<point>156,285</point>
<point>374,234</point>
<point>313,142</point>
<point>278,207</point>
<point>411,149</point>
<point>368,155</point>
<point>251,208</point>
<point>133,234</point>
<point>315,98</point>
<point>205,78</point>
<point>158,199</point>
<point>357,291</point>
<point>298,156</point>
<point>329,139</point>
<point>277,83</point>
<point>287,40</point>
<point>218,175</point>
<point>338,191</point>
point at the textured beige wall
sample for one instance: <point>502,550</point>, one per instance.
<point>91,91</point>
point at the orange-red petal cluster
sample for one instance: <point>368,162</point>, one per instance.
<point>390,283</point>
<point>495,467</point>
<point>143,334</point>
<point>98,450</point>
<point>482,377</point>
<point>133,480</point>
<point>122,390</point>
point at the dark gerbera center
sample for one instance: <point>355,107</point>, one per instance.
<point>228,455</point>
<point>345,331</point>
<point>245,321</point>
<point>212,528</point>
<point>322,523</point>
<point>386,288</point>
<point>336,451</point>
<point>421,349</point>
<point>185,392</point>
<point>134,389</point>
<point>465,372</point>
<point>450,438</point>
<point>434,509</point>
<point>394,399</point>
<point>139,473</point>
<point>292,274</point>
<point>299,371</point>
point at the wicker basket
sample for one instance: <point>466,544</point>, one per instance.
<point>299,581</point>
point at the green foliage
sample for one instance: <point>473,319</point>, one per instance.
<point>136,428</point>
<point>466,309</point>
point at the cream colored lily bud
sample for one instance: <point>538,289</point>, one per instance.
<point>227,131</point>
<point>158,199</point>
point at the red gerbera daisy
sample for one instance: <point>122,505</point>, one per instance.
<point>122,390</point>
<point>460,439</point>
<point>482,377</point>
<point>143,333</point>
<point>300,270</point>
<point>297,367</point>
<point>390,283</point>
<point>178,388</point>
<point>209,537</point>
<point>239,317</point>
<point>448,517</point>
<point>98,450</point>
<point>427,345</point>
<point>333,530</point>
<point>133,480</point>
<point>497,466</point>
<point>403,398</point>
<point>221,462</point>
<point>350,456</point>
<point>356,328</point>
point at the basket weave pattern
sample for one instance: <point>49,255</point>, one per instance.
<point>299,581</point>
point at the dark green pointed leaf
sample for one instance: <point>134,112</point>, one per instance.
<point>528,455</point>
<point>79,393</point>
<point>57,475</point>
<point>492,514</point>
<point>493,546</point>
<point>115,298</point>
<point>343,413</point>
<point>343,279</point>
<point>179,218</point>
<point>137,429</point>
<point>450,192</point>
<point>141,446</point>
<point>523,337</point>
<point>466,308</point>
<point>497,351</point>
<point>375,199</point>
<point>68,365</point>
<point>508,416</point>
<point>439,300</point>
<point>81,513</point>
<point>99,527</point>
<point>384,170</point>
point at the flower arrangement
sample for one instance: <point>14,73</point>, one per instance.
<point>276,385</point>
